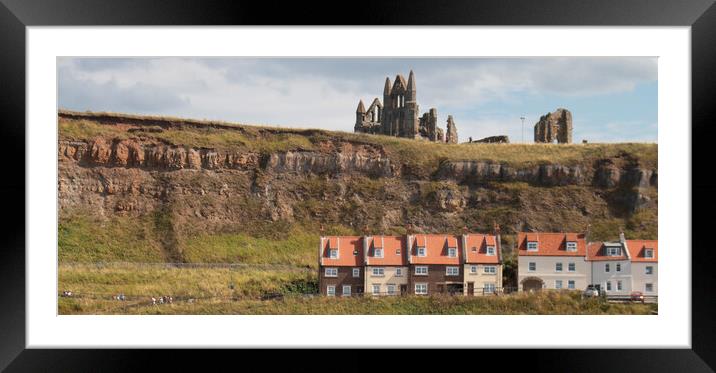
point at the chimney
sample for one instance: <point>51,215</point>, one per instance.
<point>622,239</point>
<point>320,248</point>
<point>496,228</point>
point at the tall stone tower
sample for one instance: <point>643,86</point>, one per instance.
<point>555,126</point>
<point>451,134</point>
<point>360,116</point>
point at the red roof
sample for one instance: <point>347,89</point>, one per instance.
<point>393,251</point>
<point>476,249</point>
<point>597,251</point>
<point>551,244</point>
<point>638,247</point>
<point>436,246</point>
<point>350,251</point>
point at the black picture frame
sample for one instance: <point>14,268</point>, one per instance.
<point>700,15</point>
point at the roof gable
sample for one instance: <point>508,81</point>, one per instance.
<point>551,243</point>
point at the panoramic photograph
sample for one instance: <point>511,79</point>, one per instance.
<point>353,185</point>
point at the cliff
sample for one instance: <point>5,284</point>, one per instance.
<point>134,183</point>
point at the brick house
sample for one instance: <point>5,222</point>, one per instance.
<point>341,265</point>
<point>435,262</point>
<point>483,263</point>
<point>386,265</point>
<point>552,261</point>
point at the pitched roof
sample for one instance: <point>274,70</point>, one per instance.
<point>476,249</point>
<point>638,247</point>
<point>551,244</point>
<point>350,251</point>
<point>393,251</point>
<point>597,251</point>
<point>436,249</point>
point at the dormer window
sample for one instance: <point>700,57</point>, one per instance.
<point>612,251</point>
<point>649,253</point>
<point>490,250</point>
<point>571,246</point>
<point>421,251</point>
<point>333,253</point>
<point>378,252</point>
<point>532,246</point>
<point>452,252</point>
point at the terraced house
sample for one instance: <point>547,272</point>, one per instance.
<point>341,265</point>
<point>386,265</point>
<point>483,263</point>
<point>436,264</point>
<point>552,261</point>
<point>620,268</point>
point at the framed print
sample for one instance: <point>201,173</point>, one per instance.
<point>454,176</point>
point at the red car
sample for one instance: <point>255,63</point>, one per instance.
<point>637,296</point>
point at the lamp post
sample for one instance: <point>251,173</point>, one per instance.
<point>523,129</point>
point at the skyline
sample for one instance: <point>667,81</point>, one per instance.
<point>612,99</point>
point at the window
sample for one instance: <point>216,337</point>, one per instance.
<point>649,270</point>
<point>331,291</point>
<point>378,252</point>
<point>474,249</point>
<point>557,284</point>
<point>619,267</point>
<point>333,253</point>
<point>613,251</point>
<point>570,284</point>
<point>609,286</point>
<point>379,271</point>
<point>571,267</point>
<point>558,267</point>
<point>490,269</point>
<point>356,272</point>
<point>490,250</point>
<point>648,287</point>
<point>606,267</point>
<point>532,266</point>
<point>331,272</point>
<point>391,289</point>
<point>398,272</point>
<point>346,290</point>
<point>489,288</point>
<point>397,251</point>
<point>452,252</point>
<point>421,251</point>
<point>619,285</point>
<point>571,246</point>
<point>376,288</point>
<point>531,246</point>
<point>421,270</point>
<point>452,271</point>
<point>473,269</point>
<point>421,288</point>
<point>649,253</point>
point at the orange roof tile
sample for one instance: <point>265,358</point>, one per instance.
<point>476,249</point>
<point>436,249</point>
<point>638,247</point>
<point>350,251</point>
<point>596,251</point>
<point>393,251</point>
<point>550,244</point>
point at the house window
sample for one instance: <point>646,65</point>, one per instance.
<point>397,251</point>
<point>619,285</point>
<point>474,249</point>
<point>609,286</point>
<point>532,266</point>
<point>531,246</point>
<point>557,284</point>
<point>331,272</point>
<point>473,269</point>
<point>619,267</point>
<point>606,267</point>
<point>331,291</point>
<point>649,287</point>
<point>376,288</point>
<point>421,288</point>
<point>333,253</point>
<point>452,271</point>
<point>346,290</point>
<point>490,250</point>
<point>558,267</point>
<point>571,267</point>
<point>613,251</point>
<point>378,252</point>
<point>421,251</point>
<point>398,272</point>
<point>452,252</point>
<point>379,271</point>
<point>649,253</point>
<point>649,270</point>
<point>571,246</point>
<point>570,284</point>
<point>489,288</point>
<point>421,270</point>
<point>391,289</point>
<point>490,269</point>
<point>356,272</point>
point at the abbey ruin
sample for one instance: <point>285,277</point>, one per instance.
<point>554,127</point>
<point>398,115</point>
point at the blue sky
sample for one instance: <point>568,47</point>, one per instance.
<point>612,99</point>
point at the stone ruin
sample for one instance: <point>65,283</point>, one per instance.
<point>501,139</point>
<point>554,127</point>
<point>398,116</point>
